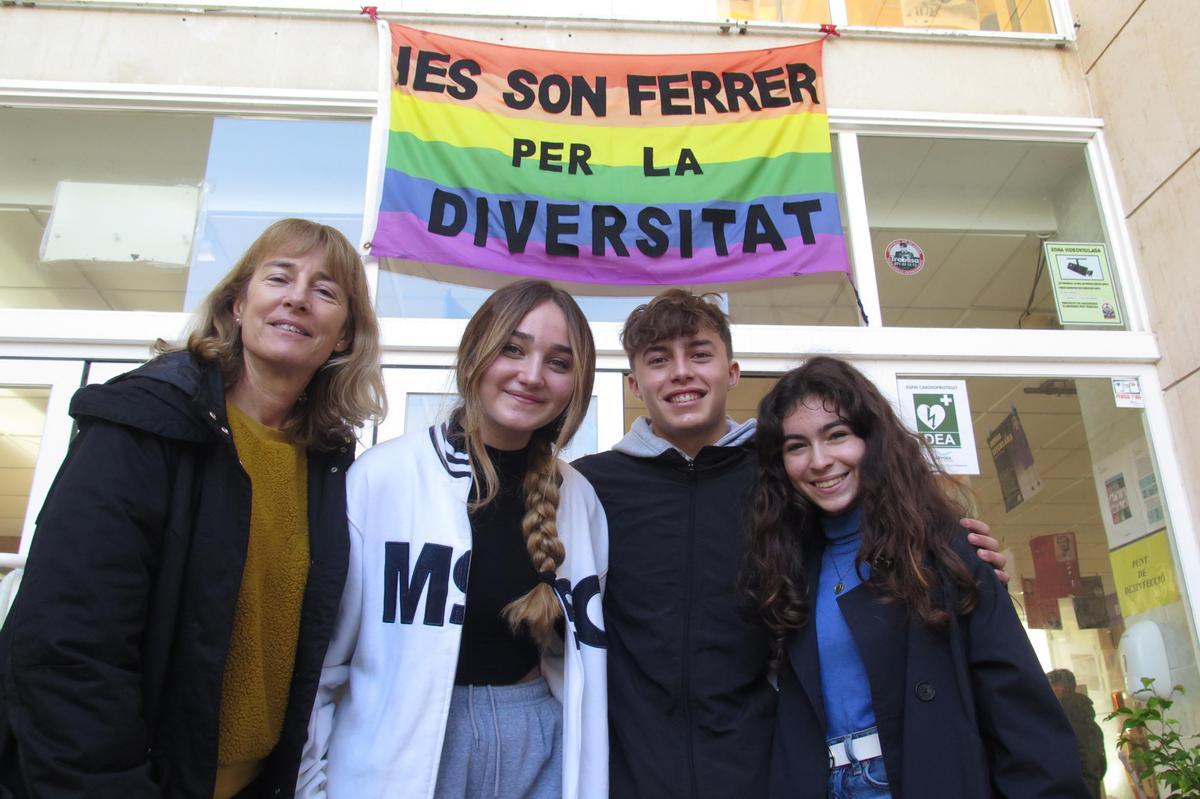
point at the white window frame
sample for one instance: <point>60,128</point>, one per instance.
<point>1088,132</point>
<point>1060,13</point>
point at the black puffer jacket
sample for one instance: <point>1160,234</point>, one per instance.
<point>690,709</point>
<point>112,657</point>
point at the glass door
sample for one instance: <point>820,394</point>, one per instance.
<point>1064,470</point>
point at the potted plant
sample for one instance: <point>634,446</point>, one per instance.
<point>1157,751</point>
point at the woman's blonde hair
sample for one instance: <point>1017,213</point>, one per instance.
<point>347,389</point>
<point>485,336</point>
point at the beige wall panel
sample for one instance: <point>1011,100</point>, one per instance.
<point>1181,58</point>
<point>1145,89</point>
<point>193,50</point>
<point>1182,401</point>
<point>1164,234</point>
<point>968,77</point>
<point>280,53</point>
<point>1099,22</point>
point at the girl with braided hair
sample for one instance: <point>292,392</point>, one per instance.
<point>469,658</point>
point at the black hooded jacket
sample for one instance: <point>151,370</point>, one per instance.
<point>111,660</point>
<point>690,709</point>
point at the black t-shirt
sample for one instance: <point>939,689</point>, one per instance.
<point>501,571</point>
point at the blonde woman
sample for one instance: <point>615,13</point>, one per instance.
<point>182,583</point>
<point>469,654</point>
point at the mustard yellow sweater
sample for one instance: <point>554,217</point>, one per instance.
<point>262,648</point>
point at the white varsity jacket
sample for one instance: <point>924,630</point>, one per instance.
<point>380,715</point>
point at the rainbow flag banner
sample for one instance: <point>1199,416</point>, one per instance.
<point>615,169</point>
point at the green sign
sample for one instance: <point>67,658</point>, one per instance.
<point>1084,293</point>
<point>937,419</point>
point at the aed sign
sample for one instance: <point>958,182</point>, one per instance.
<point>939,411</point>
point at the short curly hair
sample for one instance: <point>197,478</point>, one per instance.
<point>672,314</point>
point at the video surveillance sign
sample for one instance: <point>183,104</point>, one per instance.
<point>1082,280</point>
<point>939,411</point>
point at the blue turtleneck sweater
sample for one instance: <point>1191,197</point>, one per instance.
<point>844,684</point>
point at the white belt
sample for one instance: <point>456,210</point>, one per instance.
<point>863,748</point>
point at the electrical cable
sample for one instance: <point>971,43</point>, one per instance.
<point>1037,276</point>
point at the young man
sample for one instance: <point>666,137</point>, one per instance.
<point>690,708</point>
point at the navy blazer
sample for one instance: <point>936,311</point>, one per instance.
<point>963,713</point>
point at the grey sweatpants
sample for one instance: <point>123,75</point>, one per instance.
<point>502,741</point>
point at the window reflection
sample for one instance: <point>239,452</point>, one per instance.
<point>1028,16</point>
<point>144,211</point>
<point>1074,510</point>
<point>262,170</point>
<point>775,10</point>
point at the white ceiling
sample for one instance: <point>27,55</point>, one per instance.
<point>43,147</point>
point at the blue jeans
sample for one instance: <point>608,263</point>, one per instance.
<point>858,779</point>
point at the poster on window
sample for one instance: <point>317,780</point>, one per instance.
<point>960,14</point>
<point>1013,457</point>
<point>1084,292</point>
<point>607,168</point>
<point>1144,573</point>
<point>1040,614</point>
<point>1056,565</point>
<point>1131,504</point>
<point>1091,608</point>
<point>941,413</point>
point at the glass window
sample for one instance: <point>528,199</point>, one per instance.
<point>775,10</point>
<point>1070,486</point>
<point>1008,16</point>
<point>144,211</point>
<point>22,419</point>
<point>975,215</point>
<point>262,170</point>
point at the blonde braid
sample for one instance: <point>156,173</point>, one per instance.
<point>539,610</point>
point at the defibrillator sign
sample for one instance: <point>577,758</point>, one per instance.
<point>940,412</point>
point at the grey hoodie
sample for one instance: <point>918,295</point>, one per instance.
<point>642,442</point>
